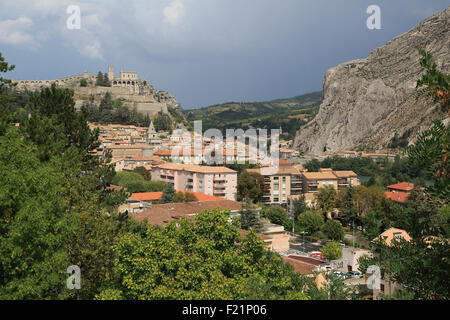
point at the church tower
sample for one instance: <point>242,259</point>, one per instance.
<point>110,73</point>
<point>151,132</point>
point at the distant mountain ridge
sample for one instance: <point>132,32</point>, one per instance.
<point>368,101</point>
<point>264,114</point>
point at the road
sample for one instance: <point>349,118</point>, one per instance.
<point>306,246</point>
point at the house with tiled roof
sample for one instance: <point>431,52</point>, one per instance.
<point>154,197</point>
<point>399,192</point>
<point>392,234</point>
<point>401,187</point>
<point>161,214</point>
<point>399,197</point>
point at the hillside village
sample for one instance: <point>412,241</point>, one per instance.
<point>165,212</point>
<point>132,147</point>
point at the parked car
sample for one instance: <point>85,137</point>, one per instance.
<point>328,268</point>
<point>340,275</point>
<point>343,245</point>
<point>354,274</point>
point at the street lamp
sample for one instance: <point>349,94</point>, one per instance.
<point>292,215</point>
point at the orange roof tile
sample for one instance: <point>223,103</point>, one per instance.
<point>160,214</point>
<point>195,168</point>
<point>403,186</point>
<point>397,196</point>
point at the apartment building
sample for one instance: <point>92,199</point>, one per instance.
<point>291,182</point>
<point>283,184</point>
<point>313,181</point>
<point>214,181</point>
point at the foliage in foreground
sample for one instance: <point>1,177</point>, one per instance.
<point>205,259</point>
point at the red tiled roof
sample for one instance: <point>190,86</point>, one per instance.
<point>283,163</point>
<point>160,214</point>
<point>307,260</point>
<point>153,196</point>
<point>397,196</point>
<point>403,186</point>
<point>299,266</point>
<point>147,196</point>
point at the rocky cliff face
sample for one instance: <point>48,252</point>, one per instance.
<point>367,101</point>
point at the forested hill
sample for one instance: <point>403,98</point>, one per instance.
<point>288,113</point>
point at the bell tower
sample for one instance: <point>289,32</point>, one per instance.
<point>110,73</point>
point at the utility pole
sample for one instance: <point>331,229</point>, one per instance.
<point>353,232</point>
<point>292,215</point>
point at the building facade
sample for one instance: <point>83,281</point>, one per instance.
<point>214,181</point>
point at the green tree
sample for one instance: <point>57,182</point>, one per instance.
<point>144,172</point>
<point>134,182</point>
<point>83,83</point>
<point>347,211</point>
<point>326,199</point>
<point>34,225</point>
<point>421,265</point>
<point>310,221</point>
<point>332,250</point>
<point>168,194</point>
<point>276,214</point>
<point>249,216</point>
<point>250,185</point>
<point>333,230</point>
<point>430,152</point>
<point>189,197</point>
<point>299,206</point>
<point>162,122</point>
<point>205,259</point>
<point>434,83</point>
<point>5,115</point>
<point>313,165</point>
<point>372,225</point>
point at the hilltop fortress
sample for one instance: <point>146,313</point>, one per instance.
<point>135,93</point>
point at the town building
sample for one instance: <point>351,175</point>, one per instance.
<point>313,181</point>
<point>214,181</point>
<point>281,185</point>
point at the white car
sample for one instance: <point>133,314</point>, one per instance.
<point>354,274</point>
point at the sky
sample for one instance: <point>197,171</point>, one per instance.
<point>203,52</point>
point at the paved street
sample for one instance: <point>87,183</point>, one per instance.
<point>306,246</point>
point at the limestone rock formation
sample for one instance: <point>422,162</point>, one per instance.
<point>367,101</point>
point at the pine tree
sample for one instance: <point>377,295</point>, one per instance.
<point>99,81</point>
<point>168,194</point>
<point>250,217</point>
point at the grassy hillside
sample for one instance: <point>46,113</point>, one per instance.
<point>289,114</point>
